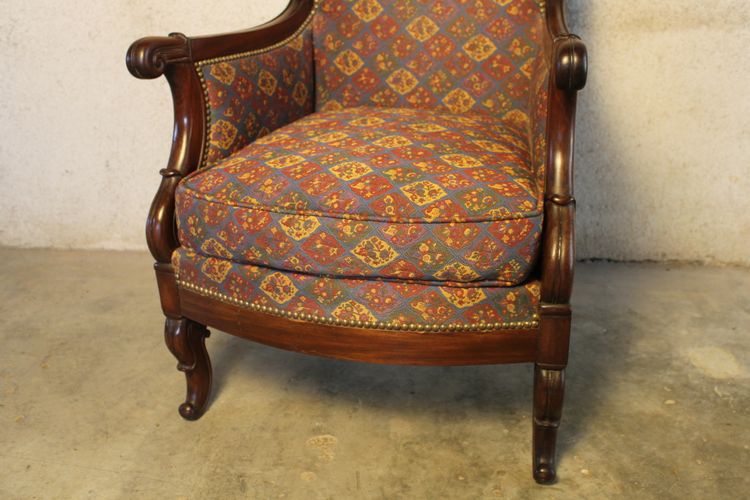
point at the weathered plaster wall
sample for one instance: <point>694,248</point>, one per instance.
<point>664,128</point>
<point>664,143</point>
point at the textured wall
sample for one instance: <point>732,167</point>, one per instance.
<point>664,128</point>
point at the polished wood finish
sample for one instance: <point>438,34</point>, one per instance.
<point>547,346</point>
<point>186,340</point>
<point>549,388</point>
<point>568,68</point>
<point>359,344</point>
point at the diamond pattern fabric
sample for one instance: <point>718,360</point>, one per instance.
<point>402,194</point>
<point>249,96</point>
<point>455,55</point>
<point>372,303</point>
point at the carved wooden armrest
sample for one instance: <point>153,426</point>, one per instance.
<point>568,66</point>
<point>149,57</point>
<point>180,59</point>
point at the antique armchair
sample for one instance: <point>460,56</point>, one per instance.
<point>375,180</point>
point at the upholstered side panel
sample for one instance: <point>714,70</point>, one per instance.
<point>385,304</point>
<point>538,111</point>
<point>249,95</point>
<point>462,55</point>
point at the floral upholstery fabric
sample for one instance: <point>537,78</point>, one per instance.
<point>458,55</point>
<point>247,97</point>
<point>374,193</point>
<point>385,304</point>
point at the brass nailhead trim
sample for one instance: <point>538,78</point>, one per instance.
<point>376,325</point>
<point>199,69</point>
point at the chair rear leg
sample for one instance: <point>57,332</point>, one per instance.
<point>549,388</point>
<point>186,340</point>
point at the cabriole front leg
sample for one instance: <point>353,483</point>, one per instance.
<point>186,340</point>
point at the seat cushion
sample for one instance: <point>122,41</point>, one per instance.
<point>374,193</point>
<point>388,305</point>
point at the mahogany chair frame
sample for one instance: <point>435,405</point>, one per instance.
<point>188,313</point>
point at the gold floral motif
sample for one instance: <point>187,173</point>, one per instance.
<point>492,146</point>
<point>367,121</point>
<point>350,170</point>
<point>299,227</point>
<point>212,247</point>
<point>426,127</point>
<point>402,81</point>
<point>352,310</point>
<point>375,252</point>
<point>457,271</point>
<point>267,82</point>
<point>223,134</point>
<point>461,161</point>
<point>331,137</point>
<point>348,62</point>
<point>285,161</point>
<point>367,10</point>
<point>299,94</point>
<point>479,48</point>
<point>223,72</point>
<point>459,101</point>
<point>422,28</point>
<point>269,139</point>
<point>463,297</point>
<point>393,141</point>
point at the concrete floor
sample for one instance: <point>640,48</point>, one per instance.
<point>657,406</point>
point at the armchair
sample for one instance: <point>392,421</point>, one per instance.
<point>374,180</point>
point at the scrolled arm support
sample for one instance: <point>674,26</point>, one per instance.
<point>174,57</point>
<point>149,57</point>
<point>571,63</point>
<point>568,66</point>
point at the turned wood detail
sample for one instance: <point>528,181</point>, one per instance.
<point>186,341</point>
<point>548,401</point>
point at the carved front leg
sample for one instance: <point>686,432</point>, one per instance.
<point>186,340</point>
<point>549,388</point>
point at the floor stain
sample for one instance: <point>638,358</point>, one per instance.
<point>308,476</point>
<point>325,444</point>
<point>715,362</point>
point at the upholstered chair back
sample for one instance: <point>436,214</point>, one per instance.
<point>457,55</point>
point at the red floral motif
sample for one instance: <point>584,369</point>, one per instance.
<point>357,299</point>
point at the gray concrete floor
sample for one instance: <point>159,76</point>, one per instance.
<point>657,403</point>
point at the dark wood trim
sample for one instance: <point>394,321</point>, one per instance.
<point>356,344</point>
<point>150,57</point>
<point>568,69</point>
<point>258,38</point>
<point>549,389</point>
<point>186,340</point>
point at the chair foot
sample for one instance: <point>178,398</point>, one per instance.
<point>549,388</point>
<point>186,340</point>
